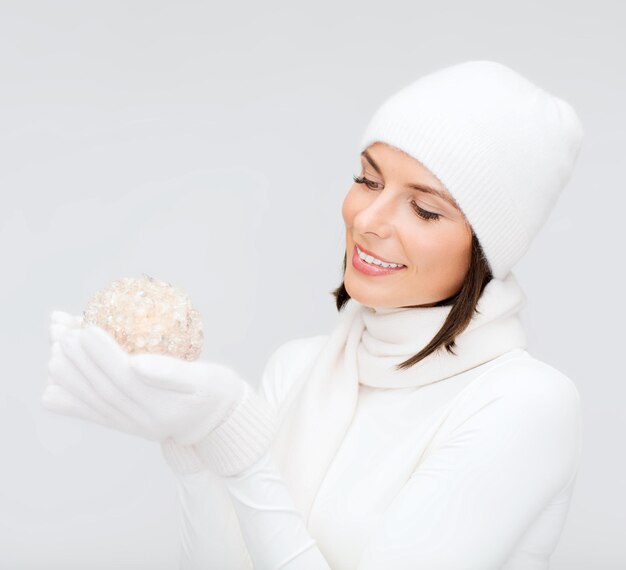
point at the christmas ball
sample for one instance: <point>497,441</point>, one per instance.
<point>146,314</point>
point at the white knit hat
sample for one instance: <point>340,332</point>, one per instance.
<point>503,147</point>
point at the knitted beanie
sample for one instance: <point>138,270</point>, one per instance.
<point>503,148</point>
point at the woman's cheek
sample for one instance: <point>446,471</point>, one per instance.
<point>349,208</point>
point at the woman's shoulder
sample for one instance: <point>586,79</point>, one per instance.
<point>523,393</point>
<point>297,348</point>
<point>285,365</point>
<point>523,374</point>
<point>522,407</point>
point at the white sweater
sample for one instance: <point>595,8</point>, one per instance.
<point>462,462</point>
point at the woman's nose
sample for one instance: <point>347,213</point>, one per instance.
<point>377,216</point>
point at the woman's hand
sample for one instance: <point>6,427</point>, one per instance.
<point>160,398</point>
<point>81,401</point>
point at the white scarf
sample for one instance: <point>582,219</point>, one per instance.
<point>363,348</point>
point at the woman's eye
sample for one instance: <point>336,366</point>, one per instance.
<point>363,180</point>
<point>424,214</point>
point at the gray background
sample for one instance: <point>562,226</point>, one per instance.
<point>211,145</point>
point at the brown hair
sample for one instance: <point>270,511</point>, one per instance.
<point>463,304</point>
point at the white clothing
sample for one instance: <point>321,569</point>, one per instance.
<point>459,462</point>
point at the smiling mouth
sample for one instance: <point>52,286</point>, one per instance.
<point>370,257</point>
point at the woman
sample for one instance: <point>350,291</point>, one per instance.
<point>420,433</point>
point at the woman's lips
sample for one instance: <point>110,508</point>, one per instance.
<point>369,268</point>
<point>367,252</point>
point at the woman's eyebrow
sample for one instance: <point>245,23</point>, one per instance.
<point>421,187</point>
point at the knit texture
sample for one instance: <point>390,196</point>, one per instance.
<point>231,447</point>
<point>503,147</point>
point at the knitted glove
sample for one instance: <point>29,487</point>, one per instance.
<point>203,414</point>
<point>183,459</point>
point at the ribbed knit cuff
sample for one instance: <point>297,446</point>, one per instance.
<point>234,445</point>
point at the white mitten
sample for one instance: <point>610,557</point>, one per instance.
<point>183,459</point>
<point>206,406</point>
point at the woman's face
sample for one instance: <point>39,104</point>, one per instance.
<point>402,224</point>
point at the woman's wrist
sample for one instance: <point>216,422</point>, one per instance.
<point>235,444</point>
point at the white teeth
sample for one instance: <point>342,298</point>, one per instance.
<point>374,261</point>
